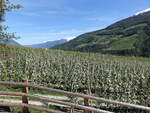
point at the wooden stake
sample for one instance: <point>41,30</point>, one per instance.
<point>86,101</point>
<point>24,98</point>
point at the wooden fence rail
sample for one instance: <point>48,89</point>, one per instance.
<point>29,106</point>
<point>68,94</point>
<point>45,99</point>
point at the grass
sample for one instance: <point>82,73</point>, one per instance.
<point>18,109</point>
<point>126,43</point>
<point>31,91</point>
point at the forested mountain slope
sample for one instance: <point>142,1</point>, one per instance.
<point>130,36</point>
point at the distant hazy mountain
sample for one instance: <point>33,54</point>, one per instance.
<point>130,36</point>
<point>10,42</point>
<point>48,44</point>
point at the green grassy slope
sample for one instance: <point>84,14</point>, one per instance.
<point>126,37</point>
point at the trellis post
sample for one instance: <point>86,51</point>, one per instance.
<point>86,101</point>
<point>24,98</point>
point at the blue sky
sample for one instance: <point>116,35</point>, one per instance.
<point>42,20</point>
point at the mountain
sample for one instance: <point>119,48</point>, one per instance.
<point>10,42</point>
<point>48,44</point>
<point>130,36</point>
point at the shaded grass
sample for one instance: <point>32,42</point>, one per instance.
<point>19,109</point>
<point>31,91</point>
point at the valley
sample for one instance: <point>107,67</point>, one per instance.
<point>67,56</point>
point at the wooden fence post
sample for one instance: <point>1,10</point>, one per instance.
<point>24,98</point>
<point>86,101</point>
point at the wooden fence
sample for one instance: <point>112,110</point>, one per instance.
<point>87,109</point>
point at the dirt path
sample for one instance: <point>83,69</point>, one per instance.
<point>39,103</point>
<point>53,97</point>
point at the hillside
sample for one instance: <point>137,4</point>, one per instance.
<point>10,42</point>
<point>48,44</point>
<point>126,37</point>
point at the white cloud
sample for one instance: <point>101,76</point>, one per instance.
<point>53,12</point>
<point>67,32</point>
<point>38,13</point>
<point>31,14</point>
<point>101,19</point>
<point>30,4</point>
